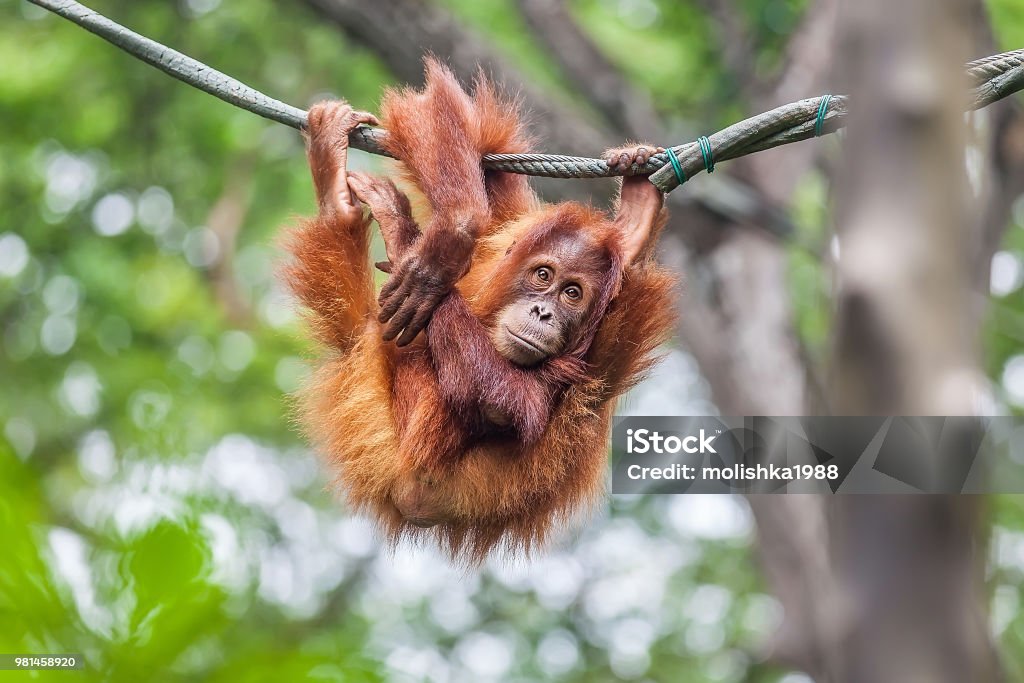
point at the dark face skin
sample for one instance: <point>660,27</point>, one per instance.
<point>550,300</point>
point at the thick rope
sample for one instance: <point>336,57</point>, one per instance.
<point>991,79</point>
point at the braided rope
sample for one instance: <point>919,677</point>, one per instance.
<point>992,78</point>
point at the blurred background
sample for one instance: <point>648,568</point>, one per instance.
<point>159,513</point>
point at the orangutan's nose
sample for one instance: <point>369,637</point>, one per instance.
<point>540,312</point>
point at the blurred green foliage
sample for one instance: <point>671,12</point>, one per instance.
<point>159,515</point>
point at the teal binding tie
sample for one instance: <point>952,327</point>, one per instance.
<point>705,151</point>
<point>819,123</point>
<point>676,166</point>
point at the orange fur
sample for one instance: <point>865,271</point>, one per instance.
<point>375,410</point>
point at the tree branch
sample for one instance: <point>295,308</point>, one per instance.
<point>735,42</point>
<point>225,220</point>
<point>590,71</point>
<point>376,24</point>
<point>1002,76</point>
<point>808,62</point>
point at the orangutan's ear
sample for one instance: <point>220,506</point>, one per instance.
<point>639,210</point>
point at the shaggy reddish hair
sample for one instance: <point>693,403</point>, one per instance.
<point>379,413</point>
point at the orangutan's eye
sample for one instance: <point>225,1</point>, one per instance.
<point>543,274</point>
<point>573,293</point>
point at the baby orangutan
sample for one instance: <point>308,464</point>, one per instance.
<point>491,428</point>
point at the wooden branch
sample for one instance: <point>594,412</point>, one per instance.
<point>807,69</point>
<point>1000,76</point>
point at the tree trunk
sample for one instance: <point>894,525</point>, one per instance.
<point>908,567</point>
